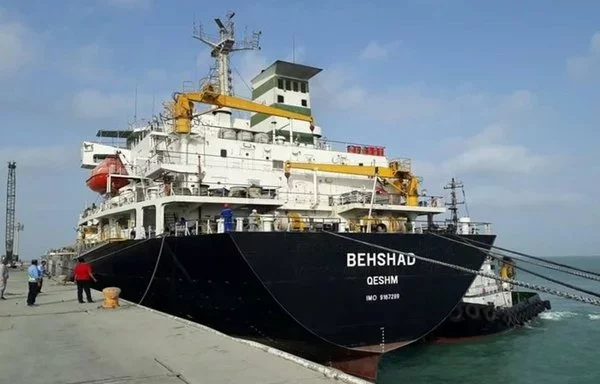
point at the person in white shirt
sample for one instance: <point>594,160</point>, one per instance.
<point>42,269</point>
<point>3,278</point>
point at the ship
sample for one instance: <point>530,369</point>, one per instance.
<point>490,306</point>
<point>263,229</point>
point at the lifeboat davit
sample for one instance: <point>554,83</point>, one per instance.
<point>110,165</point>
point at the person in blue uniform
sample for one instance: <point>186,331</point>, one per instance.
<point>33,278</point>
<point>227,216</point>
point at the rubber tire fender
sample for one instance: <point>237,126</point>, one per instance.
<point>547,305</point>
<point>473,312</point>
<point>457,314</point>
<point>505,318</point>
<point>489,314</point>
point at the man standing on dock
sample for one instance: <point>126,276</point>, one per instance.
<point>3,278</point>
<point>42,269</point>
<point>33,278</point>
<point>83,276</point>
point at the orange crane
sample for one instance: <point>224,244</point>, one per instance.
<point>400,177</point>
<point>183,108</point>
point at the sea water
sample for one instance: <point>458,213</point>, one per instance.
<point>561,346</point>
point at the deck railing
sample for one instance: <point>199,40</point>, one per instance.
<point>287,223</point>
<point>362,197</point>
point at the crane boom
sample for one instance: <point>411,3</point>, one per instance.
<point>400,177</point>
<point>393,170</point>
<point>11,185</point>
<point>183,108</point>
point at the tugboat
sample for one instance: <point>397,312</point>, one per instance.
<point>489,306</point>
<point>263,229</point>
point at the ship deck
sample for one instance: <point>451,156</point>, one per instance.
<point>62,341</point>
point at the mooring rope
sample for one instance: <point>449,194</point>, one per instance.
<point>160,251</point>
<point>523,284</point>
<point>499,257</point>
<point>585,274</point>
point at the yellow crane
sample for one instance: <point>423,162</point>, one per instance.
<point>183,107</point>
<point>400,177</point>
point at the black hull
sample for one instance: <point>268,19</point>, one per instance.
<point>470,320</point>
<point>298,292</point>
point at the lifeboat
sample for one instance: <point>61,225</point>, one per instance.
<point>98,179</point>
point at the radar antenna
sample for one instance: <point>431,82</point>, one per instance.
<point>222,47</point>
<point>453,185</point>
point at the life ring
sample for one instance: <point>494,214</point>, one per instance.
<point>489,314</point>
<point>456,315</point>
<point>472,311</point>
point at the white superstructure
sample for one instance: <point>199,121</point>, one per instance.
<point>168,176</point>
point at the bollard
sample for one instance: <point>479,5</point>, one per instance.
<point>111,297</point>
<point>62,279</point>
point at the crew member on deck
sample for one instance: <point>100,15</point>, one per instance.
<point>227,216</point>
<point>253,221</point>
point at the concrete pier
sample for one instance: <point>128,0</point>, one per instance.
<point>62,341</point>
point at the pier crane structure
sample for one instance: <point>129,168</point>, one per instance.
<point>11,189</point>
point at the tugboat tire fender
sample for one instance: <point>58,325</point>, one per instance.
<point>506,319</point>
<point>472,311</point>
<point>512,319</point>
<point>457,314</point>
<point>489,314</point>
<point>547,305</point>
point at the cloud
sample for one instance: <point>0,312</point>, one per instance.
<point>130,4</point>
<point>487,152</point>
<point>505,196</point>
<point>94,104</point>
<point>17,45</point>
<point>376,50</point>
<point>337,90</point>
<point>586,67</point>
<point>496,158</point>
<point>249,64</point>
<point>91,64</point>
<point>41,157</point>
<point>296,55</point>
<point>521,99</point>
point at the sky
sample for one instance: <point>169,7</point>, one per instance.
<point>504,96</point>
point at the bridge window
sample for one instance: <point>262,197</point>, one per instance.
<point>280,83</point>
<point>288,85</point>
<point>277,164</point>
<point>295,86</point>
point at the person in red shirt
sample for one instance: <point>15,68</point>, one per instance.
<point>83,277</point>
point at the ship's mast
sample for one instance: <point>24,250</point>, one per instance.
<point>453,185</point>
<point>222,47</point>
